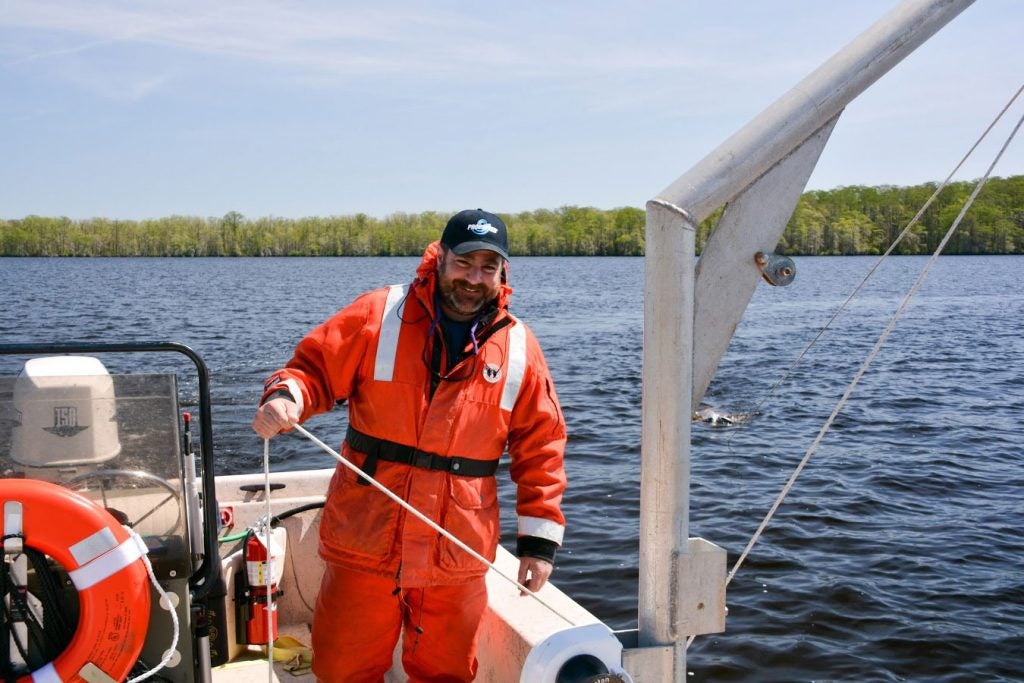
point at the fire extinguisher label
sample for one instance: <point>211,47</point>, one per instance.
<point>257,572</point>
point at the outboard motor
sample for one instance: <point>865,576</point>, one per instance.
<point>68,417</point>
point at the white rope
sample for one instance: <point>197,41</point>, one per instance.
<point>870,357</point>
<point>268,578</point>
<point>429,522</point>
<point>164,599</point>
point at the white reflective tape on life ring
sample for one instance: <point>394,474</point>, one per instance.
<point>92,546</point>
<point>109,563</point>
<point>46,674</point>
<point>14,517</point>
<point>90,673</point>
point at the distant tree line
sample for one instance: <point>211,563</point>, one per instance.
<point>844,221</point>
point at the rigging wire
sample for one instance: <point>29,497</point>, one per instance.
<point>899,238</point>
<point>876,348</point>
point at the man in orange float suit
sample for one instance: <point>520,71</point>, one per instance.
<point>440,380</point>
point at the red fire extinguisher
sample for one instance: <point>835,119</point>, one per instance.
<point>259,629</point>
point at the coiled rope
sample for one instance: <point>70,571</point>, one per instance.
<point>882,338</point>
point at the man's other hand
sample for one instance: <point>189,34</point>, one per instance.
<point>534,573</point>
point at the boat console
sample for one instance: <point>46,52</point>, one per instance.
<point>115,446</point>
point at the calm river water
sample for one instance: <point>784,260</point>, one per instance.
<point>898,554</point>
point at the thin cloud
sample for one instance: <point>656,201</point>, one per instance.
<point>338,42</point>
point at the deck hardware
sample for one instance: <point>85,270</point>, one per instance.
<point>777,270</point>
<point>260,488</point>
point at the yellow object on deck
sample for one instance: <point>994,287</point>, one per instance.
<point>298,658</point>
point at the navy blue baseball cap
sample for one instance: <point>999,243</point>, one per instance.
<point>475,229</point>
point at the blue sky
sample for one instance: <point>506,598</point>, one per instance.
<point>142,108</point>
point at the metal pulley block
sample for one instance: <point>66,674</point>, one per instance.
<point>777,270</point>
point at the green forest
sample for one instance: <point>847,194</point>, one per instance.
<point>844,221</point>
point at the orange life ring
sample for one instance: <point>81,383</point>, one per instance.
<point>103,561</point>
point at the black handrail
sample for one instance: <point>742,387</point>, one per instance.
<point>208,574</point>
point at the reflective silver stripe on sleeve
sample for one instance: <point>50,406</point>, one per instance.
<point>516,365</point>
<point>541,528</point>
<point>296,392</point>
<point>387,343</point>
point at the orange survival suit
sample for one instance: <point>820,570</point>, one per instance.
<point>432,432</point>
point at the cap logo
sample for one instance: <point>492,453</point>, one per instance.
<point>481,227</point>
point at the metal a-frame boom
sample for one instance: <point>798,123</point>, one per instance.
<point>691,311</point>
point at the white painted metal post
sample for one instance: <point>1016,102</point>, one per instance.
<point>665,432</point>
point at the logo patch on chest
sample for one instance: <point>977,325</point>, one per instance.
<point>492,372</point>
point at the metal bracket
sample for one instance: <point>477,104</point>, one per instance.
<point>777,270</point>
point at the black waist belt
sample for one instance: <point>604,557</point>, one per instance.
<point>381,449</point>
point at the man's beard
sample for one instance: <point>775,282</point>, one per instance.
<point>455,297</point>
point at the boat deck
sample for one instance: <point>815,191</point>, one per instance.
<point>512,626</point>
<point>252,665</point>
<point>248,670</point>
